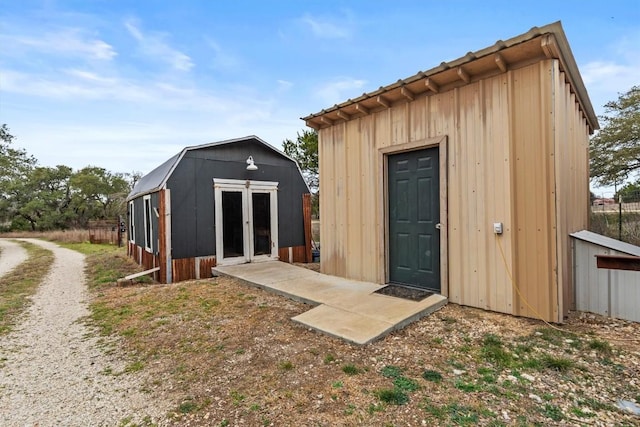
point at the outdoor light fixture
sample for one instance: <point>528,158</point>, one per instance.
<point>251,166</point>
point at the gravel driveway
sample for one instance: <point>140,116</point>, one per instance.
<point>11,255</point>
<point>54,370</point>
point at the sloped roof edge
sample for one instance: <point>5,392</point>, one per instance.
<point>157,178</point>
<point>558,47</point>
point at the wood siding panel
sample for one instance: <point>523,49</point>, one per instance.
<point>283,254</point>
<point>299,254</point>
<point>204,265</point>
<point>183,269</point>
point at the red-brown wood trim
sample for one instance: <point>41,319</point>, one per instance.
<point>618,262</point>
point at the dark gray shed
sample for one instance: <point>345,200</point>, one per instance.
<point>226,202</point>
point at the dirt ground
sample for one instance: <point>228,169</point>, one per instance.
<point>228,354</point>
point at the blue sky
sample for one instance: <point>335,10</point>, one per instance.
<point>126,84</point>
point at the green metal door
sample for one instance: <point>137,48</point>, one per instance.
<point>414,217</point>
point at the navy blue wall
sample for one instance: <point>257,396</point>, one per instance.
<point>192,195</point>
<point>138,219</point>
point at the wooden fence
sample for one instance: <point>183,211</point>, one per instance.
<point>105,231</point>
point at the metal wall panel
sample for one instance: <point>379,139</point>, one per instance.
<point>606,292</point>
<point>192,197</point>
<point>501,167</point>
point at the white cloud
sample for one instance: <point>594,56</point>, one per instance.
<point>284,85</point>
<point>326,28</point>
<point>154,46</point>
<point>615,72</point>
<point>221,58</point>
<point>339,90</point>
<point>68,41</point>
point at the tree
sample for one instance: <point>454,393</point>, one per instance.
<point>615,149</point>
<point>98,194</point>
<point>304,150</point>
<point>630,193</point>
<point>42,200</point>
<point>15,166</point>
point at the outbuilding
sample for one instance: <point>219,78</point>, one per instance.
<point>466,179</point>
<point>226,202</point>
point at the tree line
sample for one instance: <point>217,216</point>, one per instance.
<point>41,198</point>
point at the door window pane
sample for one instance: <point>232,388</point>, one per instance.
<point>233,236</point>
<point>261,223</point>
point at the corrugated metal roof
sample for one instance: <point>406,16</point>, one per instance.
<point>551,42</point>
<point>157,178</point>
<point>607,242</point>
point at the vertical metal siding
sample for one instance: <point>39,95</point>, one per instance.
<point>612,293</point>
<point>534,199</point>
<point>192,221</point>
<point>501,168</point>
<point>572,185</point>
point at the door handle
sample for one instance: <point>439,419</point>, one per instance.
<point>438,226</point>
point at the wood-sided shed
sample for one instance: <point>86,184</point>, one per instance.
<point>226,202</point>
<point>465,179</point>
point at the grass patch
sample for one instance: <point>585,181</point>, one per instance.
<point>329,358</point>
<point>467,387</point>
<point>391,371</point>
<point>134,366</point>
<point>287,365</point>
<point>350,369</point>
<point>106,264</point>
<point>392,396</point>
<point>458,414</point>
<point>19,284</point>
<point>553,412</point>
<point>560,364</point>
<point>494,352</point>
<point>433,376</point>
<point>187,407</point>
<point>406,384</point>
<point>602,347</point>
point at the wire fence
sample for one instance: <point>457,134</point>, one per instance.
<point>617,216</point>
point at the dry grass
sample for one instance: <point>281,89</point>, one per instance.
<point>60,236</point>
<point>228,354</point>
<point>19,284</point>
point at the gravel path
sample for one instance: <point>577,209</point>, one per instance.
<point>55,371</point>
<point>11,255</point>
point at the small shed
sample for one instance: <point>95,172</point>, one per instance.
<point>465,179</point>
<point>607,279</point>
<point>226,202</point>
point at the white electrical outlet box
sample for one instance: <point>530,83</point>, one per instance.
<point>497,227</point>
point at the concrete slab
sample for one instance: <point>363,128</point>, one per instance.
<point>347,309</point>
<point>344,324</point>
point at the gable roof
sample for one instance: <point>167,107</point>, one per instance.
<point>157,178</point>
<point>545,42</point>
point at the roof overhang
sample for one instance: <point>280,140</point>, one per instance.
<point>548,42</point>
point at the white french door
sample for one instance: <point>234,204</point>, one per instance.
<point>246,220</point>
